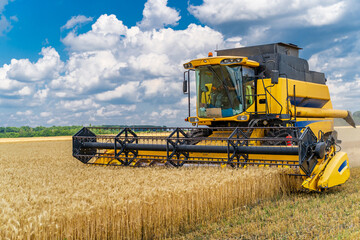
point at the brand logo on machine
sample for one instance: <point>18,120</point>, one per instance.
<point>343,167</point>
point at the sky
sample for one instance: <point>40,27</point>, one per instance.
<point>120,62</point>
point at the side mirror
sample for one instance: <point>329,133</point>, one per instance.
<point>274,76</point>
<point>185,86</point>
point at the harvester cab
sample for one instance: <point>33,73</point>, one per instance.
<point>267,85</point>
<point>255,106</point>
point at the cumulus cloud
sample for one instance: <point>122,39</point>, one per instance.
<point>42,94</point>
<point>78,105</point>
<point>157,15</point>
<point>25,91</point>
<point>111,110</point>
<point>153,63</point>
<point>117,74</point>
<point>47,67</point>
<point>341,69</point>
<point>324,14</point>
<point>127,58</point>
<point>306,12</point>
<point>105,34</point>
<point>261,21</point>
<point>76,21</point>
<point>45,114</point>
<point>86,71</point>
<point>118,65</point>
<point>128,91</point>
<point>25,113</point>
<point>6,83</point>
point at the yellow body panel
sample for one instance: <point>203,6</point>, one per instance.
<point>336,172</point>
<point>278,99</point>
<point>316,125</point>
<point>329,173</point>
<point>308,90</point>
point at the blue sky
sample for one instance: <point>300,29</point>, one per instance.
<point>39,22</point>
<point>120,62</point>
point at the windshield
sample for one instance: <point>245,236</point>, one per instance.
<point>224,91</point>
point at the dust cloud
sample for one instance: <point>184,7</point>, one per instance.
<point>350,138</point>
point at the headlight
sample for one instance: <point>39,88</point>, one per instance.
<point>231,60</point>
<point>242,118</point>
<point>188,65</point>
<point>193,119</point>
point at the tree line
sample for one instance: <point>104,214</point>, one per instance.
<point>26,131</point>
<point>356,117</point>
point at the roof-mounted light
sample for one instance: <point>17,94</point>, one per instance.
<point>188,65</point>
<point>231,61</point>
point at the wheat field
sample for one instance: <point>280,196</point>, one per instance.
<point>334,214</point>
<point>47,194</point>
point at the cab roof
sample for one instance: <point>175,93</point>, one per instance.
<point>221,60</point>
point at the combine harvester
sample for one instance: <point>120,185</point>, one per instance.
<point>259,106</point>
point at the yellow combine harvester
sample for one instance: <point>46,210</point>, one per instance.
<point>258,106</point>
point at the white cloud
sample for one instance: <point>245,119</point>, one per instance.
<point>136,72</point>
<point>341,69</point>
<point>5,25</point>
<point>47,67</point>
<point>14,18</point>
<point>129,91</point>
<point>160,87</point>
<point>75,105</point>
<point>51,121</point>
<point>153,63</point>
<point>111,67</point>
<point>45,114</point>
<point>26,113</point>
<point>157,15</point>
<point>42,93</point>
<point>6,83</point>
<point>76,20</point>
<point>88,70</point>
<point>109,24</point>
<point>296,13</point>
<point>3,3</point>
<point>235,42</point>
<point>167,113</point>
<point>25,91</point>
<point>115,110</point>
<point>126,57</point>
<point>105,34</point>
<point>324,15</point>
